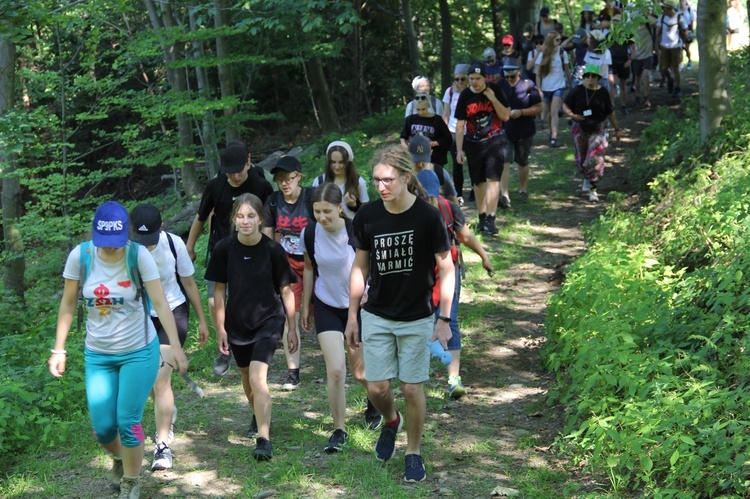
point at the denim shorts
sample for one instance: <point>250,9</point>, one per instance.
<point>548,95</point>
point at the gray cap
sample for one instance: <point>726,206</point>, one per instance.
<point>461,69</point>
<point>511,64</point>
<point>489,52</point>
<point>419,148</point>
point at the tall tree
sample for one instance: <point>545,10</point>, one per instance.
<point>713,82</point>
<point>446,45</point>
<point>411,38</point>
<point>11,199</point>
<point>226,77</point>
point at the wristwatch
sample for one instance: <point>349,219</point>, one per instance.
<point>444,318</point>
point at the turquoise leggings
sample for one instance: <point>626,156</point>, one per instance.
<point>117,387</point>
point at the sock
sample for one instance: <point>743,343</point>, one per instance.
<point>370,407</point>
<point>295,372</point>
<point>395,422</point>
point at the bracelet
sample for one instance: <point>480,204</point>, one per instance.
<point>444,318</point>
<point>59,352</point>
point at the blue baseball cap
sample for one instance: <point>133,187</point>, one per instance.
<point>430,182</point>
<point>111,226</point>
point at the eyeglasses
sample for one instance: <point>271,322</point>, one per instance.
<point>591,75</point>
<point>385,181</point>
<point>287,180</point>
<point>420,97</point>
<point>460,78</point>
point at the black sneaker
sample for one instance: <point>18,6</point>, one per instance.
<point>523,197</point>
<point>373,418</point>
<point>221,365</point>
<point>386,446</point>
<point>504,202</point>
<point>490,225</point>
<point>414,468</point>
<point>253,431</point>
<point>482,222</point>
<point>263,451</point>
<point>336,442</point>
<point>291,382</point>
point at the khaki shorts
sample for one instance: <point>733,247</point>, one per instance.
<point>670,58</point>
<point>396,349</point>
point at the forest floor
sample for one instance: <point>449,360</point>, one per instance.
<point>499,437</point>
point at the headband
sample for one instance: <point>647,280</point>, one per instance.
<point>342,144</point>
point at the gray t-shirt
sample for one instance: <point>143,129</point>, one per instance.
<point>114,317</point>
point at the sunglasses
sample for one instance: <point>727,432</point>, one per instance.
<point>512,74</point>
<point>506,45</point>
<point>591,75</point>
<point>460,78</point>
<point>421,97</point>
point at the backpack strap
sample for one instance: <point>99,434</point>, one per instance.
<point>85,258</point>
<point>321,179</point>
<point>174,254</point>
<point>131,258</point>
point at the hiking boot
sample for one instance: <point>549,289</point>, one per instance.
<point>130,488</point>
<point>414,468</point>
<point>456,389</point>
<point>373,418</point>
<point>162,458</point>
<point>553,143</point>
<point>291,382</point>
<point>336,442</point>
<point>593,196</point>
<point>221,364</point>
<point>263,451</point>
<point>586,187</point>
<point>386,446</point>
<point>504,202</point>
<point>116,473</point>
<point>253,431</point>
<point>523,197</point>
<point>490,225</point>
<point>482,222</point>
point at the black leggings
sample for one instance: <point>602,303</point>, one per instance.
<point>458,170</point>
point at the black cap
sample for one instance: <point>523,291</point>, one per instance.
<point>233,159</point>
<point>287,164</point>
<point>145,224</point>
<point>477,67</point>
<point>604,17</point>
<point>544,12</point>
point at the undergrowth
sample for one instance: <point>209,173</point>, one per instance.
<point>649,332</point>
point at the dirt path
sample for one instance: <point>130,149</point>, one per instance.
<point>500,435</point>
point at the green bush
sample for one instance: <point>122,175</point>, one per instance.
<point>649,333</point>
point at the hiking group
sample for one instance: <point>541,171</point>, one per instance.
<point>376,280</point>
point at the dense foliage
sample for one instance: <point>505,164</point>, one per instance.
<point>649,332</point>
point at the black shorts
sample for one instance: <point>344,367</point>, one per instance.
<point>638,66</point>
<point>486,159</point>
<point>181,314</point>
<point>328,318</point>
<point>621,71</point>
<point>261,351</point>
<point>519,151</point>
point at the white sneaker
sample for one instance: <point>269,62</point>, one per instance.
<point>162,458</point>
<point>586,185</point>
<point>593,197</point>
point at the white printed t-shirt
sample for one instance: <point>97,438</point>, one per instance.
<point>114,318</point>
<point>165,263</point>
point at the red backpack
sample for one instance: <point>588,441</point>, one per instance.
<point>445,210</point>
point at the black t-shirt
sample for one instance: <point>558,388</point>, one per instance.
<point>522,96</point>
<point>402,251</point>
<point>597,101</point>
<point>254,276</point>
<point>219,196</point>
<point>482,122</point>
<point>289,219</point>
<point>433,128</point>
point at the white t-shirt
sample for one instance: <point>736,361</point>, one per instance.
<point>451,100</point>
<point>555,80</point>
<point>670,32</point>
<point>335,258</point>
<point>114,318</point>
<point>165,263</point>
<point>604,61</point>
<point>361,187</point>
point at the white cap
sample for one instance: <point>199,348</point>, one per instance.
<point>343,145</point>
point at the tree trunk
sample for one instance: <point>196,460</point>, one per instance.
<point>411,39</point>
<point>226,80</point>
<point>329,120</point>
<point>712,71</point>
<point>208,132</point>
<point>497,25</point>
<point>11,199</point>
<point>519,13</point>
<point>178,82</point>
<point>446,45</point>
